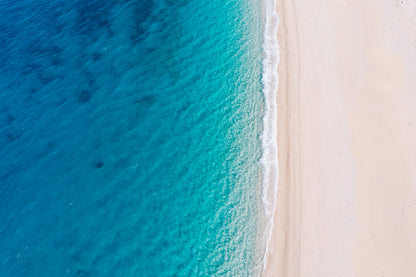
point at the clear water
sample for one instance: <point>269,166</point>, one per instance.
<point>130,137</point>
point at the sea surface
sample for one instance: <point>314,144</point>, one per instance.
<point>131,138</point>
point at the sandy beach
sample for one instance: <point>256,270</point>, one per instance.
<point>347,140</point>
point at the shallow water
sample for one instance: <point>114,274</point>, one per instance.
<point>130,138</point>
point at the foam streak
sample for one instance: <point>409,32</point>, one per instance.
<point>270,80</point>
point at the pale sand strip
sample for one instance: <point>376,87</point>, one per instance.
<point>347,140</point>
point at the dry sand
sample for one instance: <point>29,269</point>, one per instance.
<point>347,140</point>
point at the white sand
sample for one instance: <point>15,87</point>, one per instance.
<point>347,140</point>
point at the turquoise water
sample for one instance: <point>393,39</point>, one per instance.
<point>130,136</point>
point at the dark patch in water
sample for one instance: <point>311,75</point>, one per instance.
<point>57,60</point>
<point>76,256</point>
<point>8,34</point>
<point>50,145</point>
<point>46,150</point>
<point>39,48</point>
<point>84,96</point>
<point>81,272</point>
<point>96,56</point>
<point>61,102</point>
<point>10,119</point>
<point>177,3</point>
<point>147,100</point>
<point>92,16</point>
<point>99,164</point>
<point>142,11</point>
<point>90,77</point>
<point>8,31</point>
<point>46,79</point>
<point>110,31</point>
<point>12,136</point>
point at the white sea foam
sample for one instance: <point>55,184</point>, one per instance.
<point>270,82</point>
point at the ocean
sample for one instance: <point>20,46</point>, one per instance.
<point>132,138</point>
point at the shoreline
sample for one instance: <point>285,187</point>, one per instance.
<point>346,126</point>
<point>270,81</point>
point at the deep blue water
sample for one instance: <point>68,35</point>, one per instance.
<point>130,137</point>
